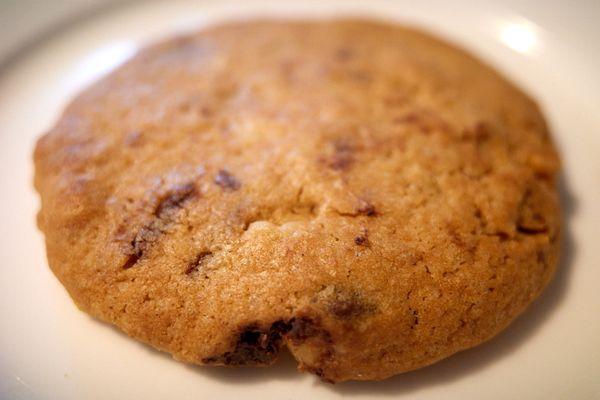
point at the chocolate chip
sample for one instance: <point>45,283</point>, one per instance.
<point>348,305</point>
<point>367,209</point>
<point>360,240</point>
<point>227,181</point>
<point>531,230</point>
<point>174,199</point>
<point>164,214</point>
<point>363,238</point>
<point>198,260</point>
<point>254,346</point>
<point>131,260</point>
<point>142,241</point>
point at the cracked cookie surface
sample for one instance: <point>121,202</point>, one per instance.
<point>362,194</point>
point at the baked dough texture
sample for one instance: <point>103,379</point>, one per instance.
<point>365,195</point>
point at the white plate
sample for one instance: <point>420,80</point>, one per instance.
<point>50,350</point>
<point>22,21</point>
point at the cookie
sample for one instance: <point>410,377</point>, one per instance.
<point>365,195</point>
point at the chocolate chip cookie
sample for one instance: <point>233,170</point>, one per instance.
<point>365,195</point>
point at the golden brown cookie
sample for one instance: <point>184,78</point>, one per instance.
<point>363,194</point>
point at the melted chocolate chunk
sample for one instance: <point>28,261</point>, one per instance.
<point>174,199</point>
<point>348,306</point>
<point>164,214</point>
<point>254,346</point>
<point>141,243</point>
<point>258,346</point>
<point>227,181</point>
<point>131,260</point>
<point>360,240</point>
<point>367,209</point>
